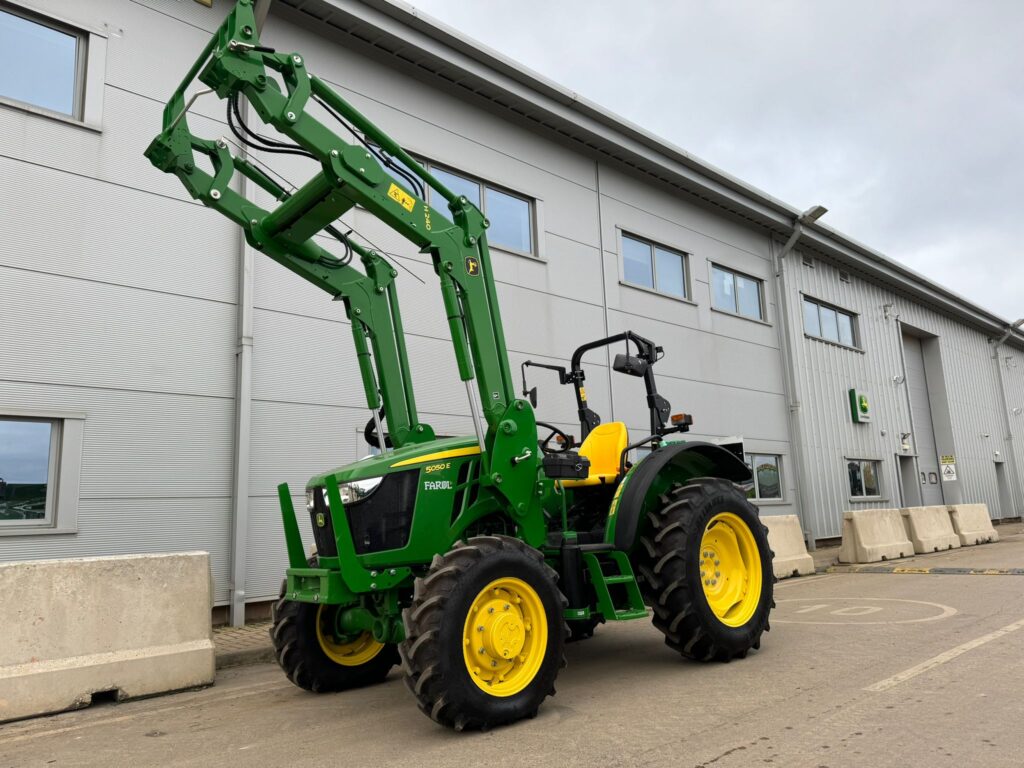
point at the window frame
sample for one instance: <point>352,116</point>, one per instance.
<point>90,66</point>
<point>734,273</point>
<point>484,185</point>
<point>52,472</point>
<point>819,304</point>
<point>654,245</point>
<point>847,460</point>
<point>748,456</point>
<point>63,473</point>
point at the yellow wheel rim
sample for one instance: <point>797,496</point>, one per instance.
<point>350,653</point>
<point>505,637</point>
<point>730,569</point>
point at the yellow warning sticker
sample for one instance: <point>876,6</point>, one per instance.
<point>583,393</point>
<point>402,197</point>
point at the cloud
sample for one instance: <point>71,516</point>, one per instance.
<point>905,119</point>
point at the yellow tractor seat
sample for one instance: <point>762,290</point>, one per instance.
<point>603,446</point>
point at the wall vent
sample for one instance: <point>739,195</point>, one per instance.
<point>808,262</point>
<point>844,276</point>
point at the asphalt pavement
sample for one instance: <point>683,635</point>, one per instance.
<point>859,669</point>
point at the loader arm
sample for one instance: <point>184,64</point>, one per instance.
<point>277,86</point>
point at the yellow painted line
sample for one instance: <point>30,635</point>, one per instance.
<point>439,456</point>
<point>942,658</point>
<point>911,570</point>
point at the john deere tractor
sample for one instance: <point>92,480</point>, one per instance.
<point>469,561</point>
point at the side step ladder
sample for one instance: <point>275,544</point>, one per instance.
<point>621,572</point>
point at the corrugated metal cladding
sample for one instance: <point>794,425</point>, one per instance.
<point>118,299</point>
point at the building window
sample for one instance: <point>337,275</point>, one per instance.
<point>863,478</point>
<point>829,323</point>
<point>29,455</point>
<point>767,472</point>
<point>40,469</point>
<point>43,63</point>
<point>510,216</point>
<point>736,293</point>
<point>653,266</point>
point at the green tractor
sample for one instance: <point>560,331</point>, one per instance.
<point>469,560</point>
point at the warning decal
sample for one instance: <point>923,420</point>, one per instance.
<point>402,197</point>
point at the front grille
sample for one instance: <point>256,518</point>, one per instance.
<point>323,526</point>
<point>379,522</point>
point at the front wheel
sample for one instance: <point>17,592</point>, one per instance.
<point>484,634</point>
<point>315,655</point>
<point>706,570</point>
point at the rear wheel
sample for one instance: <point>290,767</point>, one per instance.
<point>706,570</point>
<point>484,634</point>
<point>317,656</point>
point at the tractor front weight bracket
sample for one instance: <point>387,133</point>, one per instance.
<point>331,586</point>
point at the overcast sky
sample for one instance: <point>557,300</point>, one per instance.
<point>905,119</point>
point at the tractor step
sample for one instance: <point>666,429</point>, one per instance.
<point>618,607</point>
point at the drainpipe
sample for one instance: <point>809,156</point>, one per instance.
<point>243,423</point>
<point>604,290</point>
<point>790,382</point>
<point>1011,457</point>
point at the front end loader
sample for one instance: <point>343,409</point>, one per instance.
<point>469,561</point>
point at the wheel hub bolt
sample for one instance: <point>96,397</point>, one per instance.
<point>482,650</point>
<point>717,574</point>
<point>507,606</point>
<point>494,663</point>
<point>480,628</point>
<point>491,609</point>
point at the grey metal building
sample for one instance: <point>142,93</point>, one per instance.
<point>158,379</point>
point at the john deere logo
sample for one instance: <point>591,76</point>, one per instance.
<point>862,403</point>
<point>472,266</point>
<point>320,520</point>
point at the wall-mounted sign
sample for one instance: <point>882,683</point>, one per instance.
<point>948,459</point>
<point>860,406</point>
<point>948,472</point>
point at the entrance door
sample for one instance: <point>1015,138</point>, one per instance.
<point>1003,485</point>
<point>924,433</point>
<point>910,485</point>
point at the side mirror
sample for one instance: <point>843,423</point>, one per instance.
<point>629,365</point>
<point>532,396</point>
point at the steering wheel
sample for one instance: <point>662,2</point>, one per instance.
<point>554,432</point>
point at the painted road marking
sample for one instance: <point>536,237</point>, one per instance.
<point>942,571</point>
<point>840,608</point>
<point>942,658</point>
<point>797,582</point>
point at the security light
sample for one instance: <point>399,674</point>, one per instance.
<point>812,214</point>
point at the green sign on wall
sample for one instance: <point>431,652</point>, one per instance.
<point>860,406</point>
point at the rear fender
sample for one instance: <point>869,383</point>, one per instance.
<point>672,463</point>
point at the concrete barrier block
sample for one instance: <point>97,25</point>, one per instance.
<point>124,626</point>
<point>871,535</point>
<point>930,529</point>
<point>972,524</point>
<point>786,538</point>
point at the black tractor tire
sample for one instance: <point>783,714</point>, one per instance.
<point>669,560</point>
<point>435,668</point>
<point>297,649</point>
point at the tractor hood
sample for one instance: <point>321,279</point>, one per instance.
<point>407,457</point>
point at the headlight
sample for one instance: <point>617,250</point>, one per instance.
<point>355,491</point>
